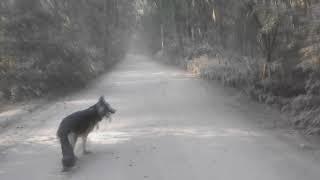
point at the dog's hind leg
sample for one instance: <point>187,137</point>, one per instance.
<point>68,157</point>
<point>84,145</point>
<point>72,137</point>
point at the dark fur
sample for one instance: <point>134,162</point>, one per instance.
<point>80,123</point>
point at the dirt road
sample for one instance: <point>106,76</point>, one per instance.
<point>169,126</point>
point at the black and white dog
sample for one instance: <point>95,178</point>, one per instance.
<point>80,124</point>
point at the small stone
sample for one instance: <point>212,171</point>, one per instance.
<point>302,146</point>
<point>306,147</point>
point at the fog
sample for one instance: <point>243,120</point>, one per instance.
<point>206,89</point>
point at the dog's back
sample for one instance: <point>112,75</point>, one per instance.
<point>79,122</point>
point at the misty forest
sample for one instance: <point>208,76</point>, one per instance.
<point>234,80</point>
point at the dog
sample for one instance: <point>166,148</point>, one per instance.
<point>80,124</point>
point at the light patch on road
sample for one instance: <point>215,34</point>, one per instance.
<point>81,102</point>
<point>204,133</point>
<point>134,82</point>
<point>120,136</point>
<point>160,74</point>
<point>10,113</point>
<point>43,140</point>
<point>89,101</point>
<point>111,137</point>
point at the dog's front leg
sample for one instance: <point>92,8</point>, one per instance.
<point>84,145</point>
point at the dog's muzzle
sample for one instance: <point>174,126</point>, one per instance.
<point>112,111</point>
<point>108,114</point>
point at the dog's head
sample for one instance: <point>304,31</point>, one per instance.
<point>104,108</point>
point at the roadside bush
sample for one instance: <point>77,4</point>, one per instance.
<point>49,46</point>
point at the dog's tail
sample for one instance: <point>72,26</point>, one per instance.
<point>68,157</point>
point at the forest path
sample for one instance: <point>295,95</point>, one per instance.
<point>169,125</point>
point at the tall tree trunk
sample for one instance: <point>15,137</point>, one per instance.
<point>162,36</point>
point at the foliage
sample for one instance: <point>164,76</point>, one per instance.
<point>276,45</point>
<point>49,44</point>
